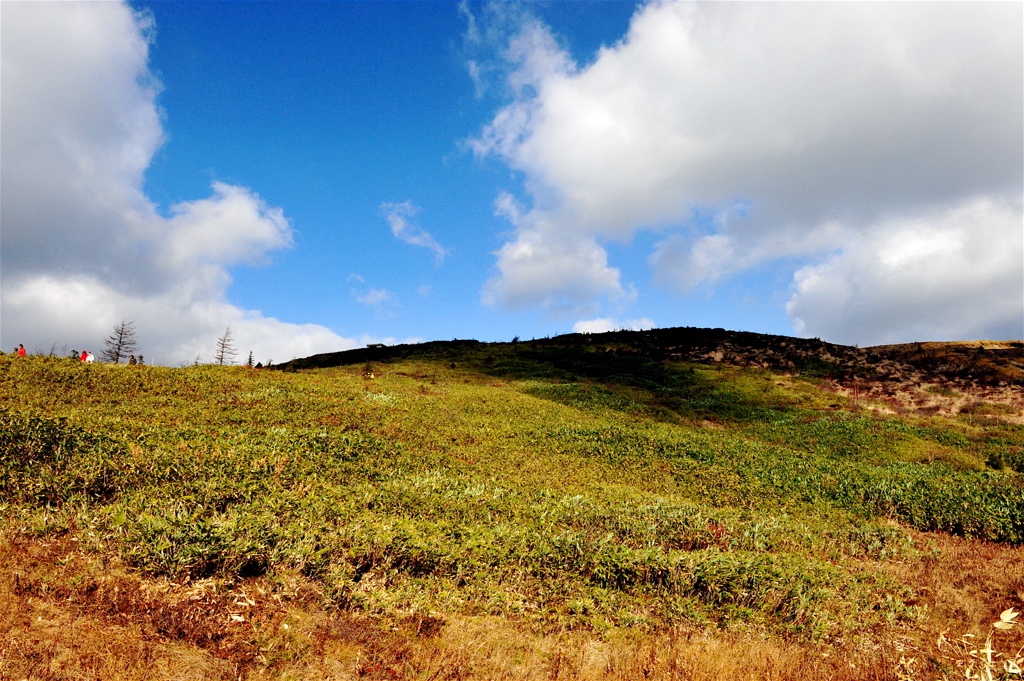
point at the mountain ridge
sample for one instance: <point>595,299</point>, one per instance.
<point>980,362</point>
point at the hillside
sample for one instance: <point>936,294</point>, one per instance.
<point>981,377</point>
<point>673,504</point>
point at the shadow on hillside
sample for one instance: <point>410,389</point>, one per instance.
<point>601,378</point>
<point>574,370</point>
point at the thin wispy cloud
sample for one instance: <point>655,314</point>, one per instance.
<point>380,300</point>
<point>374,297</point>
<point>398,216</point>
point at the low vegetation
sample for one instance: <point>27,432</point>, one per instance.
<point>518,511</point>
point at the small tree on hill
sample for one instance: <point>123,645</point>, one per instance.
<point>248,362</point>
<point>226,351</point>
<point>121,343</point>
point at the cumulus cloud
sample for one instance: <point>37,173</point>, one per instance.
<point>83,247</point>
<point>565,274</point>
<point>174,327</point>
<point>686,261</point>
<point>953,274</point>
<point>822,120</point>
<point>233,226</point>
<point>398,216</point>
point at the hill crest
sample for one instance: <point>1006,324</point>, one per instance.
<point>941,378</point>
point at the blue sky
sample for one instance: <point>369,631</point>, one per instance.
<point>321,175</point>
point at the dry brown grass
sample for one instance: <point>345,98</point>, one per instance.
<point>66,614</point>
<point>964,585</point>
<point>1005,404</point>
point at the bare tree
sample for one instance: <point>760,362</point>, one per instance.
<point>226,351</point>
<point>121,343</point>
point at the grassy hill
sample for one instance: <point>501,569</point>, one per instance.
<point>682,503</point>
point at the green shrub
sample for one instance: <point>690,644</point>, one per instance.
<point>47,461</point>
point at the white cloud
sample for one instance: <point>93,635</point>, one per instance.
<point>488,35</point>
<point>398,215</point>
<point>373,297</point>
<point>820,119</point>
<point>381,300</point>
<point>173,327</point>
<point>564,274</point>
<point>233,226</point>
<point>952,274</point>
<point>82,245</point>
<point>686,261</point>
<point>604,324</point>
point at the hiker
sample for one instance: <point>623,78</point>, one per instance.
<point>84,357</point>
<point>21,350</point>
<point>131,360</point>
<point>89,359</point>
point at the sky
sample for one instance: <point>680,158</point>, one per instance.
<point>318,176</point>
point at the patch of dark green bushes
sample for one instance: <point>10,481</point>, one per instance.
<point>47,461</point>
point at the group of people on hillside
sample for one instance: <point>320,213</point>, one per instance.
<point>86,356</point>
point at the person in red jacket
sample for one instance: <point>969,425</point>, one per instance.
<point>85,356</point>
<point>21,350</point>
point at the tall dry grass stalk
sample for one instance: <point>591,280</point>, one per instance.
<point>962,658</point>
<point>985,663</point>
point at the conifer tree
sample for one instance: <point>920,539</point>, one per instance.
<point>226,351</point>
<point>121,343</point>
